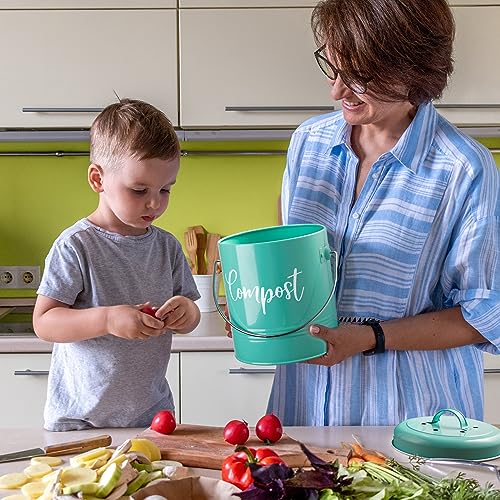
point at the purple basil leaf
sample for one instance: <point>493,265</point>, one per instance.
<point>263,474</point>
<point>271,491</point>
<point>316,479</point>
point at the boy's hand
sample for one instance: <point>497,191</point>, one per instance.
<point>128,322</point>
<point>179,314</point>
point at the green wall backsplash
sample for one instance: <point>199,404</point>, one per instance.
<point>40,196</point>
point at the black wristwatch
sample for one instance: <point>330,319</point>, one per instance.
<point>379,338</point>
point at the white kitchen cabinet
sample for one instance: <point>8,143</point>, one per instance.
<point>60,67</point>
<point>246,3</point>
<point>23,387</point>
<point>87,4</point>
<point>492,389</point>
<point>473,96</point>
<point>173,372</point>
<point>249,68</point>
<point>216,388</point>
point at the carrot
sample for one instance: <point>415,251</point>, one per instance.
<point>374,458</point>
<point>358,449</point>
<point>355,461</point>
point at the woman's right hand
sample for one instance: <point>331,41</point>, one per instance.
<point>129,322</point>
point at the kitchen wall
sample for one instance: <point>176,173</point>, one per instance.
<point>40,196</point>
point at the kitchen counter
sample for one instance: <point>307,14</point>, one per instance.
<point>378,438</point>
<point>180,343</point>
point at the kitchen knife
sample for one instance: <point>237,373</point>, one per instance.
<point>69,448</point>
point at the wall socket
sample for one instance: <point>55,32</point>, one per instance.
<point>19,277</point>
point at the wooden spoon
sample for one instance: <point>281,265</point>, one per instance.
<point>191,246</point>
<point>212,249</point>
<point>201,240</point>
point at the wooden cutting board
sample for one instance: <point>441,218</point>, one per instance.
<point>204,446</point>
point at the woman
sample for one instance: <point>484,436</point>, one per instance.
<point>412,206</point>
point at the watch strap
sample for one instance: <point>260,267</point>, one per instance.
<point>379,338</point>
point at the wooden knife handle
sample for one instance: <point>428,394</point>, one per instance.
<point>78,446</point>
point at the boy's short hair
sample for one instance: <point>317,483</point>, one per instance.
<point>131,128</point>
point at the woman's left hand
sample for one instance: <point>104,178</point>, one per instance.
<point>342,342</point>
<point>179,314</point>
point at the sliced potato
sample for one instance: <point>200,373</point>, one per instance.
<point>37,470</point>
<point>34,489</point>
<point>52,461</point>
<point>78,475</point>
<point>13,480</point>
<point>48,477</point>
<point>90,455</point>
<point>117,460</point>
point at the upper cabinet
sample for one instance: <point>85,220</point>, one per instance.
<point>88,4</point>
<point>246,3</point>
<point>249,68</point>
<point>208,64</point>
<point>63,66</point>
<point>473,96</point>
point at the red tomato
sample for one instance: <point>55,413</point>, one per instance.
<point>149,310</point>
<point>269,429</point>
<point>261,453</point>
<point>163,422</point>
<point>236,432</point>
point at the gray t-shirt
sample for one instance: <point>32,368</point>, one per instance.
<point>109,381</point>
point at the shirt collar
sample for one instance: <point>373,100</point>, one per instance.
<point>413,146</point>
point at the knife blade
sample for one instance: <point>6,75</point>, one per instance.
<point>67,448</point>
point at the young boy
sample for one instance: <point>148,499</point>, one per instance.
<point>109,358</point>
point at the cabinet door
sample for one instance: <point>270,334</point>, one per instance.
<point>23,389</point>
<point>246,3</point>
<point>491,389</point>
<point>63,66</point>
<point>173,379</point>
<point>473,96</point>
<point>216,388</point>
<point>249,68</point>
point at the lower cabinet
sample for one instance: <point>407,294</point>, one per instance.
<point>23,388</point>
<point>215,388</point>
<point>491,389</point>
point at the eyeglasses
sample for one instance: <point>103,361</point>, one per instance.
<point>331,72</point>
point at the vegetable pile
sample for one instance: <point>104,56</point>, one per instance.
<point>101,473</point>
<point>369,475</point>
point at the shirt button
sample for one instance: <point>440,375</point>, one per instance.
<point>355,215</point>
<point>375,176</point>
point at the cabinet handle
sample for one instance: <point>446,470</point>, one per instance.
<point>466,106</point>
<point>31,372</point>
<point>62,110</point>
<point>263,109</point>
<point>492,370</point>
<point>251,371</point>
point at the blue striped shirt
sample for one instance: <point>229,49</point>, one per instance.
<point>422,236</point>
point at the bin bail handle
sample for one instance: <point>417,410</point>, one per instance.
<point>252,334</point>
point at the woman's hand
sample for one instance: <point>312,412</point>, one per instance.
<point>179,314</point>
<point>128,322</point>
<point>342,342</point>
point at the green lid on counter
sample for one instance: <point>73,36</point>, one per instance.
<point>447,436</point>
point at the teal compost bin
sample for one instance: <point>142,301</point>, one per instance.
<point>278,281</point>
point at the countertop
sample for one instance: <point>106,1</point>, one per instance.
<point>378,438</point>
<point>208,336</point>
